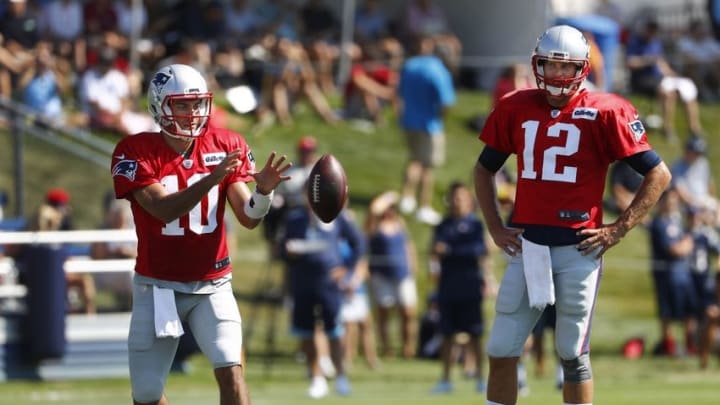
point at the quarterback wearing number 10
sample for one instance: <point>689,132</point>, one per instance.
<point>178,181</point>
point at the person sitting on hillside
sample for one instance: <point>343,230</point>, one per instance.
<point>651,74</point>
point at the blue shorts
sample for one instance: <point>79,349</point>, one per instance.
<point>461,315</point>
<point>317,304</point>
<point>675,295</point>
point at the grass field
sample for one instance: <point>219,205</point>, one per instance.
<point>374,163</point>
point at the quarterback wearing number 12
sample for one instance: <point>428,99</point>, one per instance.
<point>565,137</point>
<point>178,181</point>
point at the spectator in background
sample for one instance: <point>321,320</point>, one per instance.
<point>426,91</point>
<point>355,309</point>
<point>425,18</point>
<point>320,30</point>
<point>106,101</point>
<point>671,246</point>
<point>291,193</point>
<point>317,273</point>
<point>703,263</point>
<point>118,216</point>
<point>652,75</point>
<point>458,247</point>
<point>392,261</point>
<point>19,35</point>
<point>372,84</point>
<point>596,78</point>
<point>42,85</point>
<point>512,77</point>
<point>700,59</point>
<point>692,177</point>
<point>62,23</point>
<point>713,9</point>
<point>372,27</point>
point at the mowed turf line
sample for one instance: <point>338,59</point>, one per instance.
<point>374,163</point>
<point>399,382</point>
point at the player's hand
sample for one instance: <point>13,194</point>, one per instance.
<point>599,240</point>
<point>228,165</point>
<point>271,174</point>
<point>508,239</point>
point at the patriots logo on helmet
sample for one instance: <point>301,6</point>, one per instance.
<point>637,129</point>
<point>160,79</point>
<point>127,168</point>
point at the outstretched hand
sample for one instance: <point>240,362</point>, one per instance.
<point>271,174</point>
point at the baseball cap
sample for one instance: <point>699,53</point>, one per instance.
<point>307,143</point>
<point>57,197</point>
<point>697,145</point>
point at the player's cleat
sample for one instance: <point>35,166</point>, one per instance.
<point>342,386</point>
<point>318,387</point>
<point>442,387</point>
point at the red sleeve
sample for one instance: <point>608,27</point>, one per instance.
<point>496,133</point>
<point>131,167</point>
<point>631,138</point>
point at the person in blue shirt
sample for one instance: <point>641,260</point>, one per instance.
<point>317,272</point>
<point>426,92</point>
<point>459,247</point>
<point>671,246</point>
<point>392,262</point>
<point>706,246</point>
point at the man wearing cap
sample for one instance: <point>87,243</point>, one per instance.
<point>691,174</point>
<point>59,199</point>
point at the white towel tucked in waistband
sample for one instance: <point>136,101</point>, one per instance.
<point>538,274</point>
<point>167,321</point>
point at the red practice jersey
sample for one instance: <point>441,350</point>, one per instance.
<point>192,247</point>
<point>563,154</point>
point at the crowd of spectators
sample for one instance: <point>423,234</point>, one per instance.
<point>57,56</point>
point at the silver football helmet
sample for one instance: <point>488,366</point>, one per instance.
<point>561,43</point>
<point>180,83</point>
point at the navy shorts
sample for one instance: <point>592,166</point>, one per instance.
<point>461,315</point>
<point>675,294</point>
<point>311,306</point>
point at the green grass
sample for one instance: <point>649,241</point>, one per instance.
<point>374,163</point>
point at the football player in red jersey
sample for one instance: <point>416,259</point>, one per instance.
<point>565,138</point>
<point>178,181</point>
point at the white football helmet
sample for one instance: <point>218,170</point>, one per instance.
<point>561,43</point>
<point>175,83</point>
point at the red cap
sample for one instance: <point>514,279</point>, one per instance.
<point>57,196</point>
<point>307,143</point>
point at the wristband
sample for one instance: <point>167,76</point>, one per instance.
<point>258,205</point>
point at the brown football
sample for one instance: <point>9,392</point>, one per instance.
<point>327,188</point>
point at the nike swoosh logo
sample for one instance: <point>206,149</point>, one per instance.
<point>121,157</point>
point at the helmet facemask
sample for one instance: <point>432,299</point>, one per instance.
<point>560,86</point>
<point>185,115</point>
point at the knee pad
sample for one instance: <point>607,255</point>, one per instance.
<point>577,370</point>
